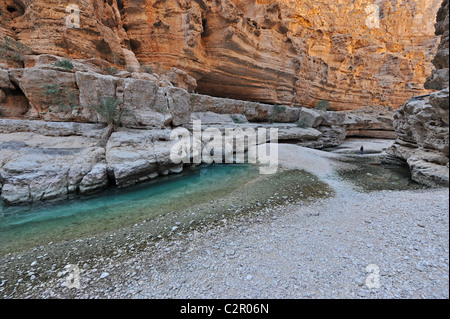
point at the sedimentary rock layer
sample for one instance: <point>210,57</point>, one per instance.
<point>56,94</point>
<point>423,124</point>
<point>351,53</point>
<point>42,160</point>
<point>422,128</point>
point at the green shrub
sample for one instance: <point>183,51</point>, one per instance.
<point>276,111</point>
<point>64,98</point>
<point>302,123</point>
<point>323,105</point>
<point>279,109</point>
<point>237,120</point>
<point>65,63</point>
<point>112,70</point>
<point>108,110</point>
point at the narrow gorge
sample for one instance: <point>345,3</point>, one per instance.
<point>94,95</point>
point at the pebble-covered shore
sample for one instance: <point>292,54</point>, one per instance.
<point>319,249</point>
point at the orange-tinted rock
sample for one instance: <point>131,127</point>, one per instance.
<point>41,25</point>
<point>291,52</point>
<point>350,52</point>
<point>439,79</point>
<point>181,79</point>
<point>422,123</point>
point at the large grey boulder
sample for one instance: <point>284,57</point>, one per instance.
<point>93,86</point>
<point>310,117</point>
<point>35,82</point>
<point>37,166</point>
<point>419,123</point>
<point>423,138</point>
<point>331,118</point>
<point>134,156</point>
<point>5,82</point>
<point>181,79</point>
<point>440,102</point>
<point>298,134</point>
<point>144,105</point>
<point>178,102</point>
<point>332,135</point>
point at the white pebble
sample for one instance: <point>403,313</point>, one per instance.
<point>104,275</point>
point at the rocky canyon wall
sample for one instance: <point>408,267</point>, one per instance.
<point>353,53</point>
<point>423,124</point>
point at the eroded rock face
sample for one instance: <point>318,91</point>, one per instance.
<point>137,156</point>
<point>422,124</point>
<point>44,91</point>
<point>439,79</point>
<point>101,32</point>
<point>39,161</point>
<point>424,138</point>
<point>35,82</point>
<point>181,79</point>
<point>5,82</point>
<point>351,53</point>
<point>13,103</point>
<point>370,122</point>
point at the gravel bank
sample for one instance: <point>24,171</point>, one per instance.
<point>315,250</point>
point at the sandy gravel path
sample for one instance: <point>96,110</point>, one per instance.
<point>316,250</point>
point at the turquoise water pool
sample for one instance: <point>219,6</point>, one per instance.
<point>116,208</point>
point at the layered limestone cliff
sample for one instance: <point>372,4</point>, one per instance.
<point>351,53</point>
<point>422,124</point>
<point>58,154</point>
<point>241,56</point>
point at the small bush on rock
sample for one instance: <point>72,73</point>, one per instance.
<point>108,109</point>
<point>64,98</point>
<point>302,123</point>
<point>279,109</point>
<point>65,64</point>
<point>323,105</point>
